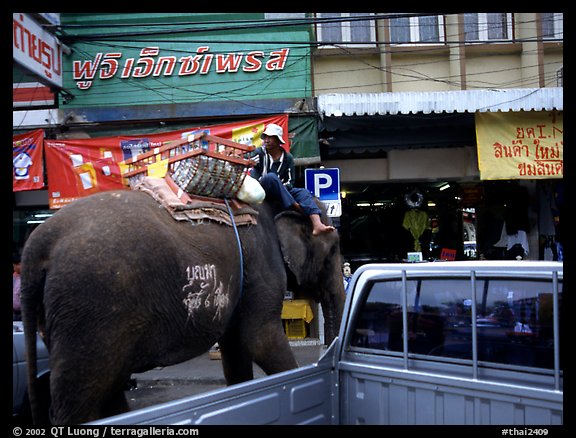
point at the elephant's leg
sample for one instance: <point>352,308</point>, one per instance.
<point>116,404</point>
<point>267,346</point>
<point>87,402</point>
<point>271,351</point>
<point>84,389</point>
<point>236,359</point>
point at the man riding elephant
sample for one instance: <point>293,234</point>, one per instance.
<point>275,171</point>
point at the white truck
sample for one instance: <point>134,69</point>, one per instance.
<point>443,343</point>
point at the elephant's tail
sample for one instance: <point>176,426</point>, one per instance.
<point>33,277</point>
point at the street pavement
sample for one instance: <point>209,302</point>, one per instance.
<point>199,375</point>
<point>204,369</point>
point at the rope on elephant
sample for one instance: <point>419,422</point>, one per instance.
<point>239,246</point>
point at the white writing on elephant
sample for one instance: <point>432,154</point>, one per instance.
<point>211,293</point>
<point>200,272</point>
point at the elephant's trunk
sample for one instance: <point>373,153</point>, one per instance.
<point>332,307</point>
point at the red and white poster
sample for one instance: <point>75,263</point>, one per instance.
<point>27,166</point>
<point>78,168</point>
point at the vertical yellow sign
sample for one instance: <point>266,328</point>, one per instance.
<point>520,145</point>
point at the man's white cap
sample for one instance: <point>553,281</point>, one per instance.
<point>273,129</point>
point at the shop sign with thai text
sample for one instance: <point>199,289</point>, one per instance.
<point>520,145</point>
<point>182,69</point>
<point>151,63</point>
<point>35,49</point>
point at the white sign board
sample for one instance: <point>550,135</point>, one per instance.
<point>36,50</point>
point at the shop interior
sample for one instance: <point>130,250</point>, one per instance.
<point>447,220</point>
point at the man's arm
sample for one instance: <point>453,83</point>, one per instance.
<point>290,173</point>
<point>256,171</point>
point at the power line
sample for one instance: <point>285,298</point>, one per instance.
<point>410,73</point>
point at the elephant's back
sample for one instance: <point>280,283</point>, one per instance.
<point>115,203</point>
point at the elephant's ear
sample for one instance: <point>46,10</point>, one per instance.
<point>294,233</point>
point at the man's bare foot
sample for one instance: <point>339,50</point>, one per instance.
<point>318,227</point>
<point>323,229</point>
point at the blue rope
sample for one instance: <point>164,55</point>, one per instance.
<point>239,247</point>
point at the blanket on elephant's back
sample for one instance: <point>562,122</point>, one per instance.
<point>183,207</point>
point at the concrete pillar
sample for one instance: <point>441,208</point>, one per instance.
<point>383,32</point>
<point>528,28</point>
<point>457,58</point>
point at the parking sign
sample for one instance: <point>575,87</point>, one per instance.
<point>325,185</point>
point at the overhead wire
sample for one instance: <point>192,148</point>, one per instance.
<point>410,73</point>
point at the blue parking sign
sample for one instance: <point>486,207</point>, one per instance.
<point>325,185</point>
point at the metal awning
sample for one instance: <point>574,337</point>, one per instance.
<point>465,101</point>
<point>357,134</point>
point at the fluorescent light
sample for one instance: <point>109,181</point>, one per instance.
<point>444,187</point>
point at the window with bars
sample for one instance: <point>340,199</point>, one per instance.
<point>418,29</point>
<point>481,27</point>
<point>552,25</point>
<point>348,29</point>
<point>513,323</point>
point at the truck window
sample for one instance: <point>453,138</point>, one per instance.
<point>514,320</point>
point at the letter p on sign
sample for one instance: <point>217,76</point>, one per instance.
<point>321,181</point>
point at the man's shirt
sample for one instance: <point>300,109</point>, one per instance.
<point>284,167</point>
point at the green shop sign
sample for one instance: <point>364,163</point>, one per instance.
<point>180,72</point>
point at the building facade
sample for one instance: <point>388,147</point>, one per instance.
<point>143,75</point>
<point>396,102</point>
<point>402,100</point>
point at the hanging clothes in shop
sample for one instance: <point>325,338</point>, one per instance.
<point>516,244</point>
<point>548,215</point>
<point>514,236</point>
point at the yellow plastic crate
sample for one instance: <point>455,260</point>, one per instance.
<point>295,328</point>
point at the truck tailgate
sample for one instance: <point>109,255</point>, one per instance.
<point>304,395</point>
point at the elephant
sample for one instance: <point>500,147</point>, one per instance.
<point>117,286</point>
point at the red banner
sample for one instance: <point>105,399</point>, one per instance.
<point>78,168</point>
<point>27,166</point>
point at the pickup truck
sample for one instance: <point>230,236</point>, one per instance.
<point>440,343</point>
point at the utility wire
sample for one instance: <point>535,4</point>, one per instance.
<point>410,75</point>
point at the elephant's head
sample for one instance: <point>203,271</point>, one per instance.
<point>315,265</point>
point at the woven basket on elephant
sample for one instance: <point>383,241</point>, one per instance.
<point>201,164</point>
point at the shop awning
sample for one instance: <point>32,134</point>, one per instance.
<point>465,101</point>
<point>381,133</point>
<point>360,123</point>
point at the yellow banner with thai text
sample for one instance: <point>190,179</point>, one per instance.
<point>520,145</point>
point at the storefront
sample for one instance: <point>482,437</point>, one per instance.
<point>418,176</point>
<point>172,73</point>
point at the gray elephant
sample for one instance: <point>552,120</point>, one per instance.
<point>117,286</point>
